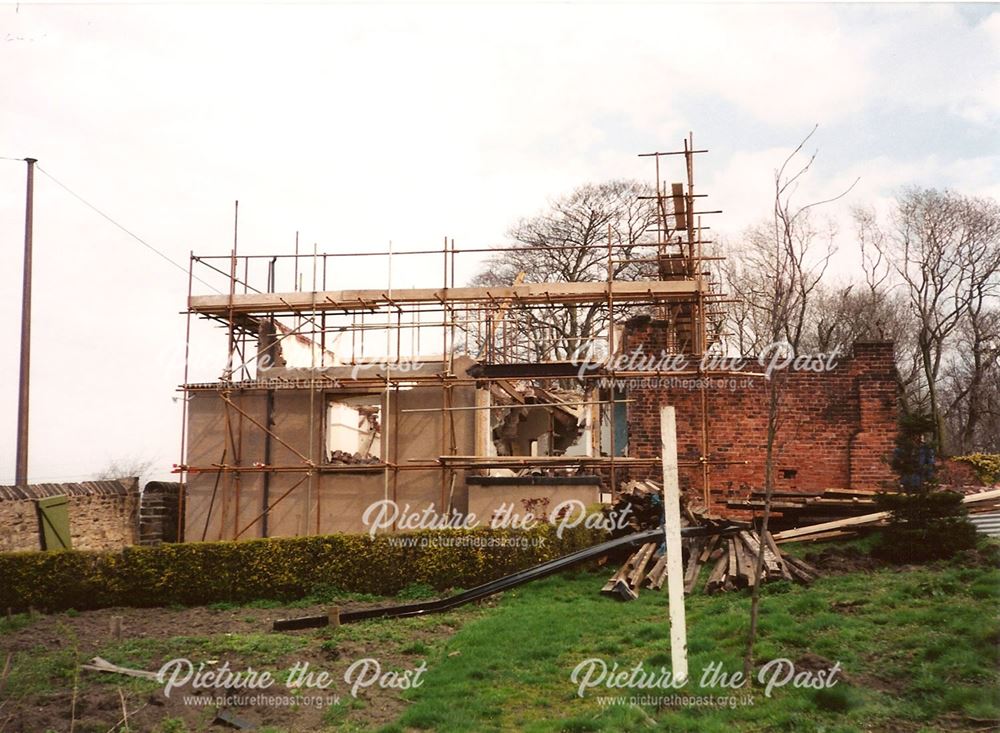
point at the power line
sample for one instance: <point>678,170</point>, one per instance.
<point>134,236</point>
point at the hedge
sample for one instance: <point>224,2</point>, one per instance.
<point>282,569</point>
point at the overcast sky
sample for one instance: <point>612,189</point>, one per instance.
<point>357,125</point>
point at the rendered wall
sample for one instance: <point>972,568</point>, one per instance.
<point>484,500</point>
<point>332,500</point>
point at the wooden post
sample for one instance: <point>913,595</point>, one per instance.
<point>116,628</point>
<point>672,534</point>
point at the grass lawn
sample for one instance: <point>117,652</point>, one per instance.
<point>918,648</point>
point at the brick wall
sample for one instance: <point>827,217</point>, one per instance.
<point>103,515</point>
<point>837,427</point>
<point>158,513</point>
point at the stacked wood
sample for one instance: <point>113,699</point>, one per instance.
<point>734,557</point>
<point>844,527</point>
<point>795,508</point>
<point>736,563</point>
<point>625,583</point>
<point>642,503</point>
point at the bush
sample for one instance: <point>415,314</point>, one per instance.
<point>281,569</point>
<point>986,466</point>
<point>929,526</point>
<point>925,523</point>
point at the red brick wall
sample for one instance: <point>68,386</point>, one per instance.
<point>837,428</point>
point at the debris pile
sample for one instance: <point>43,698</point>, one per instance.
<point>343,458</point>
<point>642,503</point>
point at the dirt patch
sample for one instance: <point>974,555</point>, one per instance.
<point>838,560</point>
<point>47,691</point>
<point>92,629</point>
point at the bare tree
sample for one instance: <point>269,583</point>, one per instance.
<point>945,250</point>
<point>568,242</point>
<point>775,286</point>
<point>970,378</point>
<point>793,258</point>
<point>121,468</point>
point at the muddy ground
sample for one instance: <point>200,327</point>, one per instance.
<point>44,688</point>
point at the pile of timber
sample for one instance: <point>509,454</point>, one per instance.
<point>795,509</point>
<point>841,528</point>
<point>642,503</point>
<point>733,558</point>
<point>736,563</point>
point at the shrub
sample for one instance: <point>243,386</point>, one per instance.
<point>925,523</point>
<point>281,569</point>
<point>928,526</point>
<point>986,465</point>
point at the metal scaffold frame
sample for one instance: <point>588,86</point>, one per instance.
<point>469,321</point>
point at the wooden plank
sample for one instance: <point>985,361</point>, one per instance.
<point>747,563</point>
<point>771,561</point>
<point>694,564</point>
<point>851,492</point>
<point>715,578</point>
<point>819,537</point>
<point>869,518</point>
<point>782,565</point>
<point>656,576</point>
<point>827,526</point>
<point>802,571</point>
<point>638,573</point>
<point>527,293</point>
<point>733,566</point>
<point>672,534</point>
<point>710,546</point>
<point>617,583</point>
<point>97,664</point>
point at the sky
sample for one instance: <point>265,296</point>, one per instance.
<point>360,125</point>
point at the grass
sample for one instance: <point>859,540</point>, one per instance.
<point>14,622</point>
<point>322,594</point>
<point>918,649</point>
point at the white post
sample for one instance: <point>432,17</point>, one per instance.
<point>672,534</point>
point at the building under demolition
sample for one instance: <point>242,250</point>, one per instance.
<point>334,399</point>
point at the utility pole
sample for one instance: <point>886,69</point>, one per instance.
<point>21,478</point>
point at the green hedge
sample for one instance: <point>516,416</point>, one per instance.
<point>281,569</point>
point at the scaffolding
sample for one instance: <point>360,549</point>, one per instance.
<point>357,338</point>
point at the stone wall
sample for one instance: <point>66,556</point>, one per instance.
<point>103,515</point>
<point>837,427</point>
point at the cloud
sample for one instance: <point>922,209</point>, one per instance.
<point>357,125</point>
